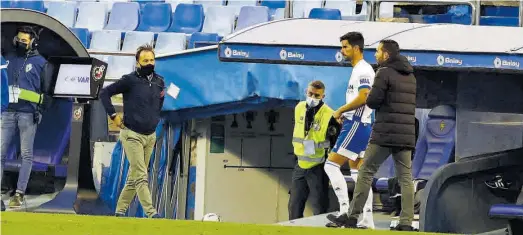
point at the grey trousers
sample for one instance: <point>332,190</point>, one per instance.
<point>375,155</point>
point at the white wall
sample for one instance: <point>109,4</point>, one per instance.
<point>244,194</point>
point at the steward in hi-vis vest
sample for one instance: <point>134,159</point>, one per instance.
<point>315,130</point>
<point>309,145</point>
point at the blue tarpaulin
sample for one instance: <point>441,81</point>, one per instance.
<point>209,87</point>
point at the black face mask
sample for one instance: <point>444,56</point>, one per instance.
<point>21,48</point>
<point>146,70</point>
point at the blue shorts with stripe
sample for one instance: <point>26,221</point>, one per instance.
<point>353,139</point>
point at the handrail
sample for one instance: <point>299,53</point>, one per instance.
<point>375,6</point>
<point>96,52</point>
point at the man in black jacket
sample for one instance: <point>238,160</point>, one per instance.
<point>393,96</point>
<point>143,95</point>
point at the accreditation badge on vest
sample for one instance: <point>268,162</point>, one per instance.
<point>316,126</point>
<point>309,147</point>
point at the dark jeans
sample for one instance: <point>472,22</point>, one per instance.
<point>310,183</point>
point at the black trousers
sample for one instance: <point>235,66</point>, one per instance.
<point>310,183</point>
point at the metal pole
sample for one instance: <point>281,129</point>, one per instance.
<point>476,12</point>
<point>520,13</point>
<point>288,9</point>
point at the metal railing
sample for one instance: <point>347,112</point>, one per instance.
<point>520,13</point>
<point>373,8</point>
<point>474,5</point>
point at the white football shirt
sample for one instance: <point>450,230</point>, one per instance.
<point>362,77</point>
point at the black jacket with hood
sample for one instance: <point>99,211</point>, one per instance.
<point>393,96</point>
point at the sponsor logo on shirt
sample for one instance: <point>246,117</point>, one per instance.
<point>365,80</point>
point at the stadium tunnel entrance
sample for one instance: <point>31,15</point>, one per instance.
<point>58,166</point>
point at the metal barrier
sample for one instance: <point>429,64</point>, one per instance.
<point>520,13</point>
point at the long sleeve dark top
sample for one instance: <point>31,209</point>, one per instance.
<point>142,100</point>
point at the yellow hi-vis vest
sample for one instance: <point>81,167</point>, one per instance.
<point>317,133</point>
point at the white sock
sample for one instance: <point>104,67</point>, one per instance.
<point>366,219</point>
<point>339,185</point>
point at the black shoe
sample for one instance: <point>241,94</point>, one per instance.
<point>3,205</point>
<point>341,221</point>
<point>401,227</point>
<point>16,201</point>
<point>498,183</point>
<point>118,214</point>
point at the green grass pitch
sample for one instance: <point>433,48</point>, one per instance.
<point>22,223</point>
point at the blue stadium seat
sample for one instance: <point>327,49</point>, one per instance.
<point>506,11</point>
<point>499,21</point>
<point>507,211</point>
<point>203,39</point>
<point>250,16</point>
<point>65,12</point>
<point>83,35</point>
<point>133,40</point>
<point>170,42</point>
<point>175,3</point>
<point>460,14</point>
<point>220,20</point>
<point>144,2</point>
<point>31,5</point>
<point>302,8</point>
<point>124,16</point>
<point>209,3</point>
<point>106,40</point>
<point>238,4</point>
<point>155,17</point>
<point>279,14</point>
<point>273,5</point>
<point>347,8</point>
<point>435,144</point>
<point>6,4</point>
<point>325,13</point>
<point>91,15</point>
<point>52,135</point>
<point>433,19</point>
<point>513,213</point>
<point>187,18</point>
<point>117,66</point>
<point>51,140</point>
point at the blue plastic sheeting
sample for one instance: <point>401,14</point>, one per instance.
<point>114,176</point>
<point>4,86</point>
<point>209,87</point>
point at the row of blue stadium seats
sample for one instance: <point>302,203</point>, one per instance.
<point>157,17</point>
<point>220,19</point>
